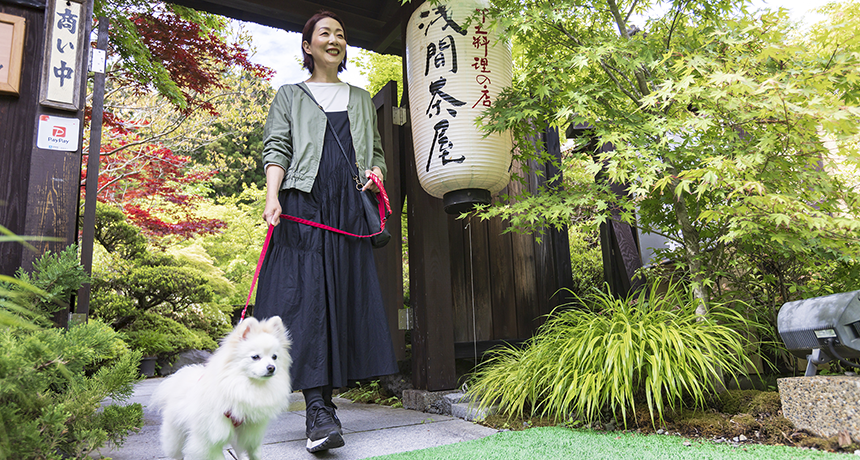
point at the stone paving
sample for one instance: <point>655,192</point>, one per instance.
<point>369,430</point>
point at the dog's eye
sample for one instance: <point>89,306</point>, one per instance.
<point>255,357</point>
<point>274,357</point>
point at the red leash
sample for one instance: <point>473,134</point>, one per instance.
<point>384,205</point>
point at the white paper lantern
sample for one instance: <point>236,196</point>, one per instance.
<point>454,72</point>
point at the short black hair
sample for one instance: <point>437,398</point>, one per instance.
<point>307,32</point>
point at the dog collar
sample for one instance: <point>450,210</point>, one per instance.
<point>235,422</point>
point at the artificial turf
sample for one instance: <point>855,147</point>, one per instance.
<point>551,443</point>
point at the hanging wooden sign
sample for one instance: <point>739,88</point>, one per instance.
<point>64,65</point>
<point>11,52</point>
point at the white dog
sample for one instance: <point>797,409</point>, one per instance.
<point>231,398</point>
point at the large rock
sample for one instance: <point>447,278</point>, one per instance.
<point>823,404</point>
<point>425,401</point>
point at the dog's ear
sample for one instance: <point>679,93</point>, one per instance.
<point>275,324</point>
<point>246,326</point>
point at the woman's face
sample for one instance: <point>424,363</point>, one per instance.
<point>328,44</point>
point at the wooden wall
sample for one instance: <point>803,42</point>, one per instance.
<point>17,135</point>
<point>504,284</point>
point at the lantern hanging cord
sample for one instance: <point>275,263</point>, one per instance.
<point>472,284</point>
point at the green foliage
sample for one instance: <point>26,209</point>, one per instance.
<point>162,302</point>
<point>161,305</point>
<point>235,251</point>
<point>116,234</point>
<point>48,289</point>
<point>193,254</point>
<point>232,143</point>
<point>371,393</point>
<point>651,348</point>
<point>58,276</point>
<point>754,402</point>
<point>586,261</point>
<point>379,70</point>
<point>17,296</point>
<point>14,302</point>
<point>52,384</point>
<point>155,334</point>
<point>717,117</point>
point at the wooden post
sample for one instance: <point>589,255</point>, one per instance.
<point>389,263</point>
<point>430,285</point>
<point>429,270</point>
<point>93,159</point>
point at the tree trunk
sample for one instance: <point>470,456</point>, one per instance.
<point>692,251</point>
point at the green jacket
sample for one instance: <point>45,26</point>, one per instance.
<point>297,147</point>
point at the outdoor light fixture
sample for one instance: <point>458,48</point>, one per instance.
<point>822,329</point>
<point>457,63</point>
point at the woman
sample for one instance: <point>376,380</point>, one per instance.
<point>322,284</point>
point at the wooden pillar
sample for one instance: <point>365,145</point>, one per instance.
<point>389,264</point>
<point>430,288</point>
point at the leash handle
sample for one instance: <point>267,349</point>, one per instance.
<point>384,204</point>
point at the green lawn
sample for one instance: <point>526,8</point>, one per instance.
<point>562,443</point>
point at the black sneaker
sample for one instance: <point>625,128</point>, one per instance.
<point>333,408</point>
<point>323,429</point>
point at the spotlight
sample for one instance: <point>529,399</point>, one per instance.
<point>822,329</point>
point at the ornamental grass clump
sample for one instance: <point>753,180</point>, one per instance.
<point>651,348</point>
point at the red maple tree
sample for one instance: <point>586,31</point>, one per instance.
<point>179,53</point>
<point>192,56</point>
<point>150,184</point>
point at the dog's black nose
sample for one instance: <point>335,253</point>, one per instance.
<point>270,368</point>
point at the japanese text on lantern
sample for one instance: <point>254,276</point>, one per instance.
<point>480,42</point>
<point>65,28</point>
<point>441,60</point>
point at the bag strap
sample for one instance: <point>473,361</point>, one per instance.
<point>356,177</point>
<point>359,184</point>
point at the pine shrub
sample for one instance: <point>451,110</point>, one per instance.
<point>63,393</point>
<point>52,384</point>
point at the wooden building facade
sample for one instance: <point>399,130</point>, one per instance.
<point>39,188</point>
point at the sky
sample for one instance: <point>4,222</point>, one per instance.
<point>281,50</point>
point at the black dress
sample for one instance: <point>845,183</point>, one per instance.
<point>324,285</point>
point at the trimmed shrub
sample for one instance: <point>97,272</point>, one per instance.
<point>50,285</point>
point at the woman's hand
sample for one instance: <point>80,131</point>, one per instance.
<point>370,185</point>
<point>272,212</point>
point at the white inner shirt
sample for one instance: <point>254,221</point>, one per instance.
<point>333,97</point>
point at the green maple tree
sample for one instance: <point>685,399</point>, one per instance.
<point>732,132</point>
